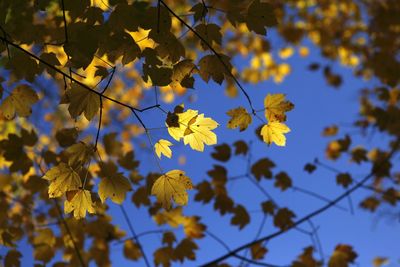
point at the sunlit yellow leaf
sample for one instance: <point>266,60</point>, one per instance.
<point>62,179</point>
<point>200,132</point>
<point>196,130</point>
<point>19,102</point>
<point>79,201</point>
<point>114,187</point>
<point>172,185</point>
<point>183,121</point>
<point>273,132</point>
<point>276,107</point>
<point>239,118</point>
<point>162,147</point>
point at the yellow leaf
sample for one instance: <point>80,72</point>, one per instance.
<point>183,121</point>
<point>172,185</point>
<point>62,179</point>
<point>196,130</point>
<point>273,132</point>
<point>199,132</point>
<point>240,118</point>
<point>276,106</point>
<point>114,187</point>
<point>79,201</point>
<point>286,52</point>
<point>162,147</point>
<point>19,102</point>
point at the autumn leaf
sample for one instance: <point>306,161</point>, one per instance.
<point>162,148</point>
<point>200,133</point>
<point>222,152</point>
<point>80,202</point>
<point>132,250</point>
<point>284,218</point>
<point>240,217</point>
<point>240,118</point>
<point>276,107</point>
<point>273,132</point>
<point>342,256</point>
<point>196,130</point>
<point>259,16</point>
<point>258,251</point>
<point>114,187</point>
<point>172,185</point>
<point>262,168</point>
<point>78,154</point>
<point>82,101</point>
<point>62,179</point>
<point>19,102</point>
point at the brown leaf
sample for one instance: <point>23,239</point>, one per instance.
<point>222,152</point>
<point>262,168</point>
<point>240,217</point>
<point>283,219</point>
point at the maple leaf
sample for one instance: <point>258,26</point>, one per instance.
<point>132,250</point>
<point>211,67</point>
<point>82,101</point>
<point>276,106</point>
<point>178,122</point>
<point>222,152</point>
<point>162,147</point>
<point>258,251</point>
<point>284,218</point>
<point>259,16</point>
<point>199,132</point>
<point>196,130</point>
<point>62,179</point>
<point>19,102</point>
<point>273,132</point>
<point>342,256</point>
<point>241,147</point>
<point>114,187</point>
<point>241,217</point>
<point>78,154</point>
<point>172,185</point>
<point>239,118</point>
<point>79,201</point>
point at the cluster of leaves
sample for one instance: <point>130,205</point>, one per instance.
<point>60,151</point>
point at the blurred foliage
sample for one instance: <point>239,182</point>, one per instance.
<point>77,143</point>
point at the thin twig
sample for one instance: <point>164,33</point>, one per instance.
<point>128,221</point>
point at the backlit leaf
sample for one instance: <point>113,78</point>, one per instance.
<point>162,148</point>
<point>114,187</point>
<point>80,202</point>
<point>62,178</point>
<point>239,118</point>
<point>172,186</point>
<point>273,132</point>
<point>19,102</point>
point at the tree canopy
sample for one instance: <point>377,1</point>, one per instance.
<point>98,117</point>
